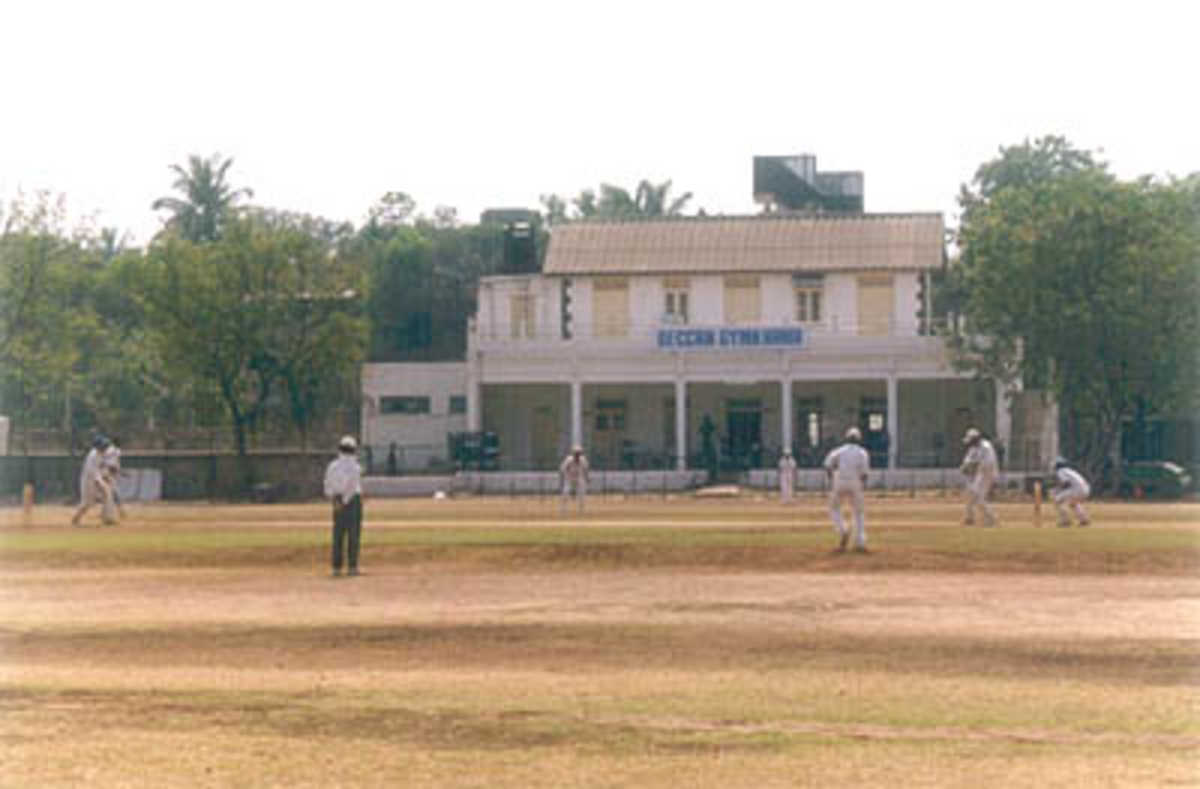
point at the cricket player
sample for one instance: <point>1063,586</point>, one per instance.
<point>110,466</point>
<point>787,475</point>
<point>1069,494</point>
<point>846,467</point>
<point>93,487</point>
<point>343,486</point>
<point>980,467</point>
<point>574,473</point>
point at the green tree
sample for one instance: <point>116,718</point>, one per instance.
<point>1083,285</point>
<point>207,202</point>
<point>265,309</point>
<point>39,328</point>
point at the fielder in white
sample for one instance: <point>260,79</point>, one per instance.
<point>1072,490</point>
<point>93,487</point>
<point>981,468</point>
<point>110,466</point>
<point>574,473</point>
<point>787,475</point>
<point>847,466</point>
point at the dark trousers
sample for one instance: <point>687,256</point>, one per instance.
<point>347,532</point>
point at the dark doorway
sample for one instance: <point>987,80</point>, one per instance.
<point>743,434</point>
<point>872,421</point>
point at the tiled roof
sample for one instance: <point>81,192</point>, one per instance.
<point>748,243</point>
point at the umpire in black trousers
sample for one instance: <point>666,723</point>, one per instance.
<point>343,486</point>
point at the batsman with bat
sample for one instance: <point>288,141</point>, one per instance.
<point>980,467</point>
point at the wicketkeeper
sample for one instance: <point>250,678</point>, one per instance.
<point>1072,490</point>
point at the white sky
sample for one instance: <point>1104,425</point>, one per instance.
<point>324,106</point>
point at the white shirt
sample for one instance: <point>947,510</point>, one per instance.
<point>983,455</point>
<point>574,469</point>
<point>112,460</point>
<point>1072,480</point>
<point>787,463</point>
<point>91,468</point>
<point>343,478</point>
<point>849,464</point>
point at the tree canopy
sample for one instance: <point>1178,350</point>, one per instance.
<point>1084,285</point>
<point>207,200</point>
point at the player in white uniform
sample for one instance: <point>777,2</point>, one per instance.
<point>787,475</point>
<point>110,465</point>
<point>1070,494</point>
<point>574,473</point>
<point>847,466</point>
<point>981,468</point>
<point>93,487</point>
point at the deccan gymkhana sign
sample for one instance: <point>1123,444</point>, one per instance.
<point>716,338</point>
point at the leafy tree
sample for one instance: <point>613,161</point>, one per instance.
<point>265,308</point>
<point>38,327</point>
<point>1083,285</point>
<point>208,200</point>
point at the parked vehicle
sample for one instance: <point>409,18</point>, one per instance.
<point>1154,479</point>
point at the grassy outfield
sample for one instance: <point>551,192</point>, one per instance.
<point>649,642</point>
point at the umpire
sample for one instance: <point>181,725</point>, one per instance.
<point>343,485</point>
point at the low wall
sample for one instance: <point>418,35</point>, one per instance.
<point>180,476</point>
<point>600,482</point>
<point>888,479</point>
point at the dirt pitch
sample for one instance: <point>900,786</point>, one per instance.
<point>650,642</point>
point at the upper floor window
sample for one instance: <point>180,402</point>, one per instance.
<point>743,300</point>
<point>809,293</point>
<point>523,324</point>
<point>458,404</point>
<point>610,306</point>
<point>875,299</point>
<point>675,300</point>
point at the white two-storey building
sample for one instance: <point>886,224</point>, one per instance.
<point>708,343</point>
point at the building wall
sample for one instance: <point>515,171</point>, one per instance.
<point>420,438</point>
<point>706,294</point>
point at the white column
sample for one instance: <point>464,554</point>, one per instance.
<point>893,419</point>
<point>474,396</point>
<point>576,412</point>
<point>785,412</point>
<point>681,423</point>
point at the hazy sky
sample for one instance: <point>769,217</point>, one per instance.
<point>324,106</point>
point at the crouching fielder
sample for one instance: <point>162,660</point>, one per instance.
<point>1070,494</point>
<point>846,467</point>
<point>574,473</point>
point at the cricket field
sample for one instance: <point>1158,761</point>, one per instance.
<point>656,642</point>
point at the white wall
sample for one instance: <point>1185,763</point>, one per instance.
<point>435,380</point>
<point>706,303</point>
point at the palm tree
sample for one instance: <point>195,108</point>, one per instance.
<point>652,200</point>
<point>208,198</point>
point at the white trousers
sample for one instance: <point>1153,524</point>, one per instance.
<point>1067,499</point>
<point>977,499</point>
<point>96,491</point>
<point>787,486</point>
<point>854,494</point>
<point>578,487</point>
